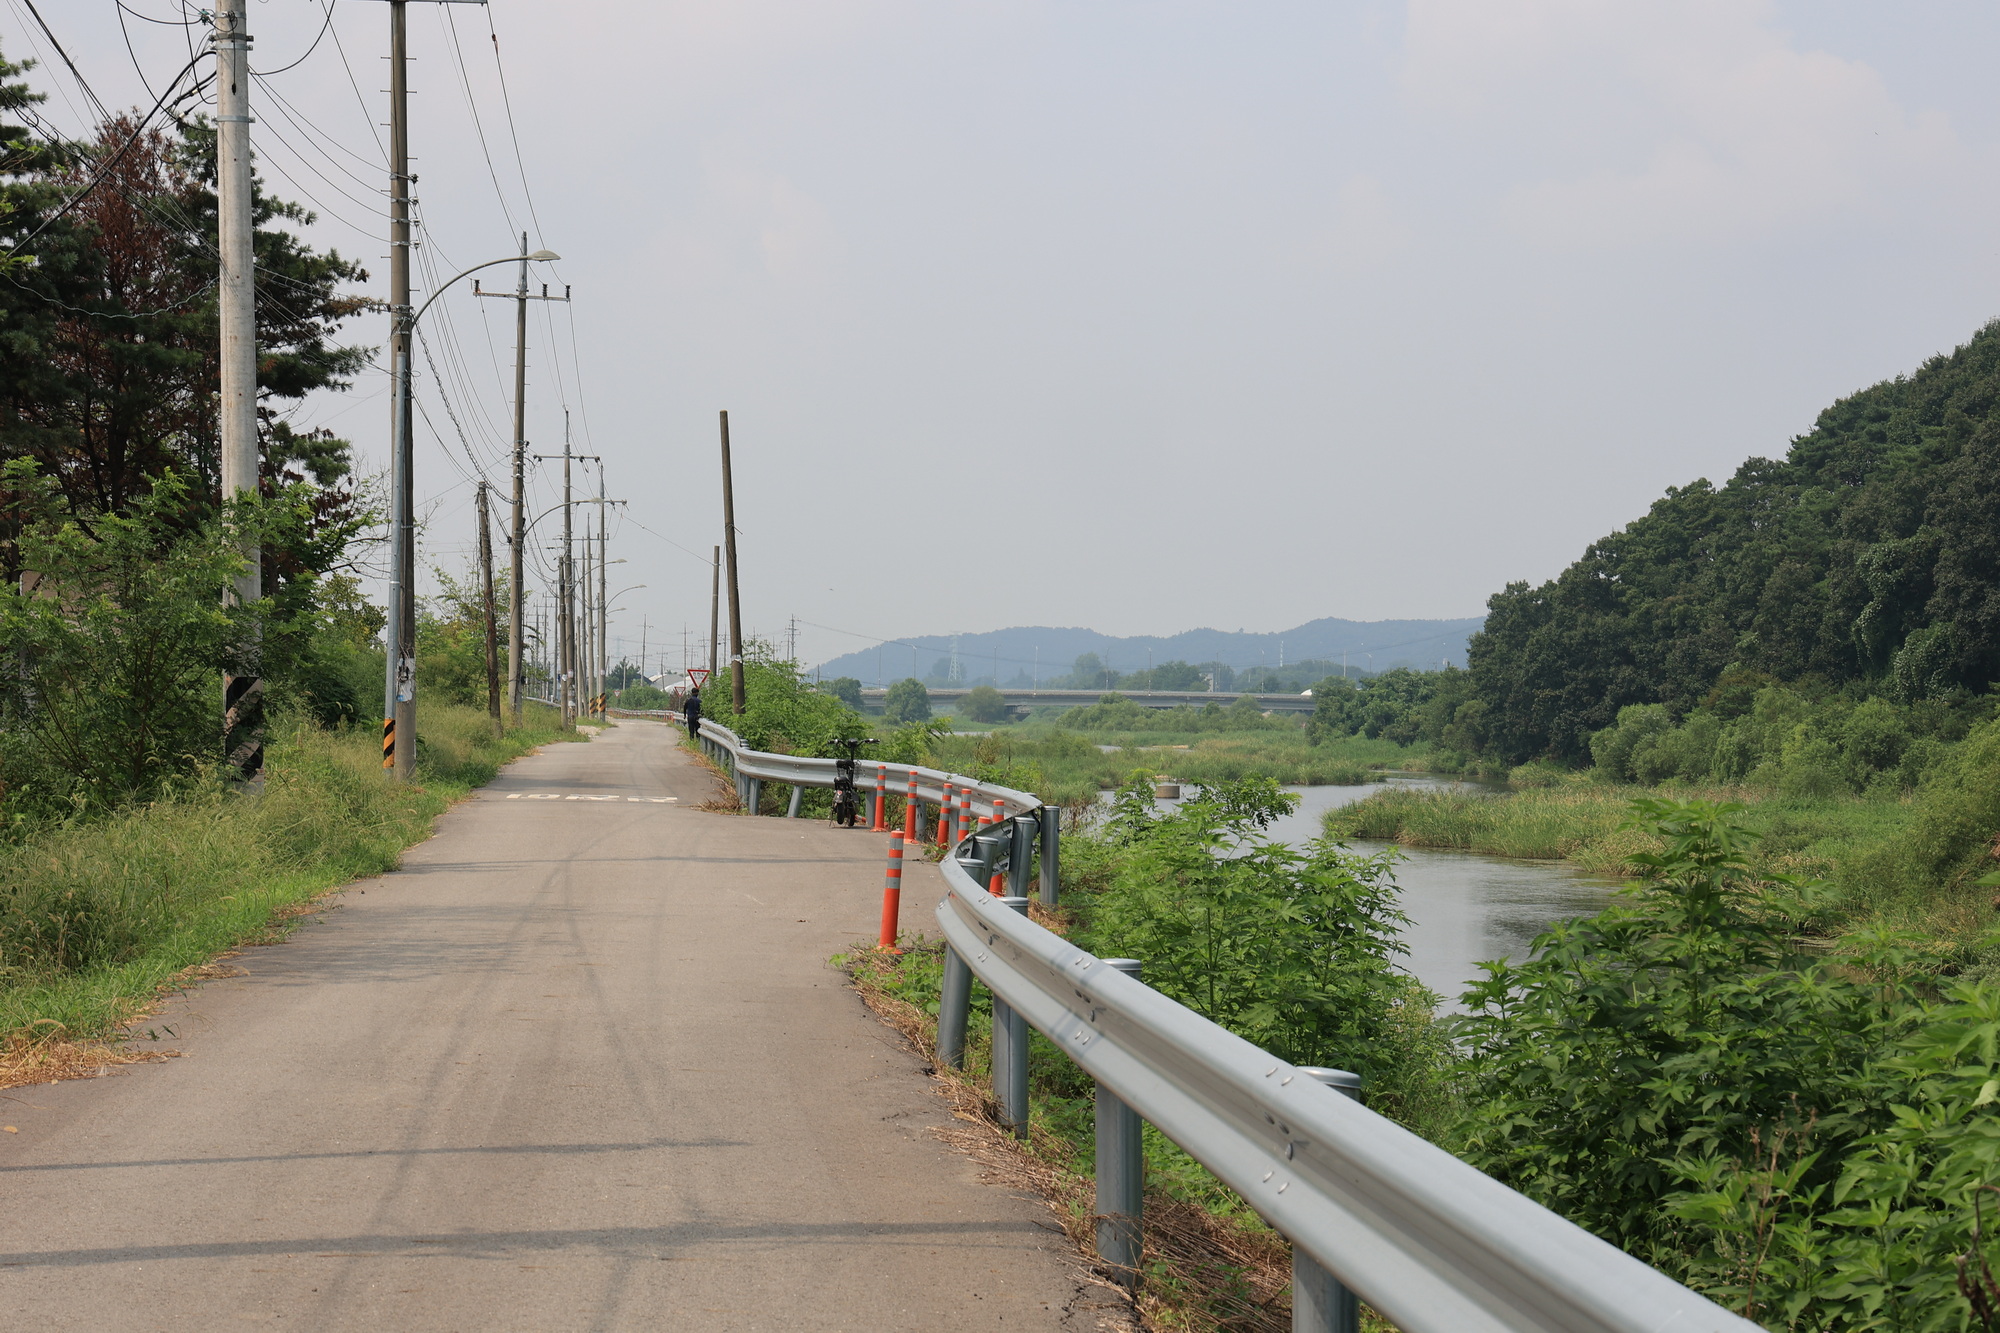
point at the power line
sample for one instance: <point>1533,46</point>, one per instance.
<point>257,73</point>
<point>109,163</point>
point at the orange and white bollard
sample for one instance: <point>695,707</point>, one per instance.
<point>911,812</point>
<point>944,816</point>
<point>881,800</point>
<point>892,893</point>
<point>964,815</point>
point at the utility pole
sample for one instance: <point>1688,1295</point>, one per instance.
<point>568,658</point>
<point>735,594</point>
<point>644,623</point>
<point>586,635</point>
<point>242,694</point>
<point>517,533</point>
<point>399,726</point>
<point>714,610</point>
<point>486,589</point>
<point>603,602</point>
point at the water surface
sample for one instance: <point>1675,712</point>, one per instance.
<point>1464,908</point>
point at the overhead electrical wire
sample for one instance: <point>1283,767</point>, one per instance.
<point>266,73</point>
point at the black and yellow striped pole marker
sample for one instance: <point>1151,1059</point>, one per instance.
<point>388,742</point>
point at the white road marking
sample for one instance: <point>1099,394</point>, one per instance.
<point>559,796</point>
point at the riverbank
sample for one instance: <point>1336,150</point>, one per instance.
<point>1070,767</point>
<point>1901,860</point>
<point>96,919</point>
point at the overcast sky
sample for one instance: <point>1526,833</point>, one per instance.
<point>1134,316</point>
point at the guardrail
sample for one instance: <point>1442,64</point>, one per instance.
<point>1371,1210</point>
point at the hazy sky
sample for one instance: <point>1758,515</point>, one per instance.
<point>1136,316</point>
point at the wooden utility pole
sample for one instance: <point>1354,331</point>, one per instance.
<point>735,597</point>
<point>492,637</point>
<point>243,689</point>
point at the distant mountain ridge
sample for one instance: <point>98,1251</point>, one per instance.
<point>1041,651</point>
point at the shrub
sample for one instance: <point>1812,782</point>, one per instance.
<point>907,701</point>
<point>983,703</point>
<point>1292,949</point>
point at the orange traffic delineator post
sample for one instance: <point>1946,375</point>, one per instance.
<point>944,816</point>
<point>910,810</point>
<point>892,893</point>
<point>881,800</point>
<point>964,815</point>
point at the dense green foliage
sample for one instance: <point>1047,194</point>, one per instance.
<point>783,712</point>
<point>844,688</point>
<point>1782,738</point>
<point>907,701</point>
<point>122,635</point>
<point>1866,559</point>
<point>1402,705</point>
<point>983,703</point>
<point>1293,949</point>
<point>1807,1136</point>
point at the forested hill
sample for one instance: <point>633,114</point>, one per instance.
<point>1867,559</point>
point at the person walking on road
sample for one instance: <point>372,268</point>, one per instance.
<point>692,711</point>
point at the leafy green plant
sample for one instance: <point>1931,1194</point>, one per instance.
<point>1292,949</point>
<point>1677,1023</point>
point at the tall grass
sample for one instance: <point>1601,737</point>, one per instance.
<point>96,916</point>
<point>1072,767</point>
<point>1861,846</point>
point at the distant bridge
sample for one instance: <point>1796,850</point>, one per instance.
<point>1022,700</point>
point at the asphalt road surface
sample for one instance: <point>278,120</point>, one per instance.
<point>579,1064</point>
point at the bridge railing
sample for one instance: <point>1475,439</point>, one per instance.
<point>1371,1209</point>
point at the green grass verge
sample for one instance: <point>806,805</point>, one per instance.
<point>96,917</point>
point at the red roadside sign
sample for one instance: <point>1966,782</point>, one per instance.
<point>699,675</point>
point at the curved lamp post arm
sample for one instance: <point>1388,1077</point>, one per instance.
<point>540,256</point>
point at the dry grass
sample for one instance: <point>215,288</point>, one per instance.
<point>1207,1273</point>
<point>27,1059</point>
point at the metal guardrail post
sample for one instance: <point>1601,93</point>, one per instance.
<point>954,1010</point>
<point>1121,1173</point>
<point>1051,853</point>
<point>1010,1055</point>
<point>798,795</point>
<point>756,794</point>
<point>986,852</point>
<point>1320,1303</point>
<point>1017,856</point>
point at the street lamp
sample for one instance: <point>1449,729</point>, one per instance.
<point>399,690</point>
<point>604,628</point>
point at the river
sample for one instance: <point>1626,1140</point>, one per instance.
<point>1463,908</point>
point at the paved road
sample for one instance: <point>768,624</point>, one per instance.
<point>579,1064</point>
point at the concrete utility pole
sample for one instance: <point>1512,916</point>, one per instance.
<point>735,598</point>
<point>603,602</point>
<point>586,636</point>
<point>568,657</point>
<point>399,727</point>
<point>520,296</point>
<point>242,695</point>
<point>486,588</point>
<point>714,611</point>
